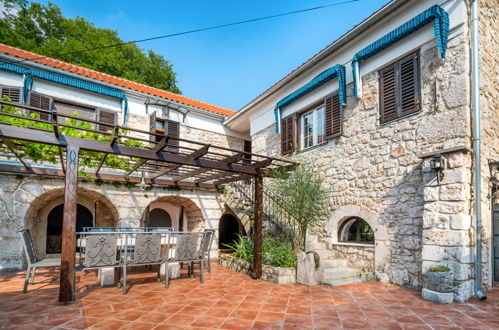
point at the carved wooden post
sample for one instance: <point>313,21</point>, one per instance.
<point>258,228</point>
<point>67,284</point>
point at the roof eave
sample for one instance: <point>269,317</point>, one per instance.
<point>331,48</point>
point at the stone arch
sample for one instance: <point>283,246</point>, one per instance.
<point>229,227</point>
<point>193,219</point>
<point>104,212</point>
<point>381,254</point>
<point>345,212</point>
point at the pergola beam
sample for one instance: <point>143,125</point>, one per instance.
<point>233,179</point>
<point>20,133</point>
<point>12,149</point>
<point>258,228</point>
<point>114,138</point>
<point>157,148</point>
<point>195,155</point>
<point>49,172</point>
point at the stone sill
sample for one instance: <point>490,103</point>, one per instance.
<point>352,244</point>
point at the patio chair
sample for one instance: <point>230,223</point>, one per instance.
<point>206,247</point>
<point>185,247</point>
<point>98,250</point>
<point>33,261</point>
<point>142,249</point>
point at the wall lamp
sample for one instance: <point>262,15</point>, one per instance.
<point>437,165</point>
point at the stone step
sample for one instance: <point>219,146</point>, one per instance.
<point>324,254</point>
<point>312,238</point>
<point>345,281</point>
<point>312,246</point>
<point>331,274</point>
<point>334,263</point>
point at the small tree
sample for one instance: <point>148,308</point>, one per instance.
<point>301,193</point>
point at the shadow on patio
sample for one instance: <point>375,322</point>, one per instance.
<point>231,300</point>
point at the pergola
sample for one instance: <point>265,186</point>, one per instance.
<point>162,160</point>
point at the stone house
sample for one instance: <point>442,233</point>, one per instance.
<point>36,202</point>
<point>373,138</point>
<point>371,133</point>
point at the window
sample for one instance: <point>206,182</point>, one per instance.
<point>164,127</point>
<point>312,128</point>
<point>400,89</point>
<point>12,93</point>
<point>322,123</point>
<point>356,230</point>
<point>41,102</point>
<point>68,109</point>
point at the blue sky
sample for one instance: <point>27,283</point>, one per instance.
<point>230,66</point>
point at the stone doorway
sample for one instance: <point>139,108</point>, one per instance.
<point>84,218</point>
<point>159,218</point>
<point>228,229</point>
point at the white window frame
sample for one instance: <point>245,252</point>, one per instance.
<point>315,127</point>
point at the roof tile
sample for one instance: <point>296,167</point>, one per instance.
<point>89,73</point>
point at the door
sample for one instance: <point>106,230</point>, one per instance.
<point>496,243</point>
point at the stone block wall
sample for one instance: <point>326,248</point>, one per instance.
<point>489,105</point>
<point>447,235</point>
<point>24,203</point>
<point>377,167</point>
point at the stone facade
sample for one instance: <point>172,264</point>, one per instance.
<point>25,202</point>
<point>377,171</point>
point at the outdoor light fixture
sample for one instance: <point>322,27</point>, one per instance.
<point>436,165</point>
<point>143,185</point>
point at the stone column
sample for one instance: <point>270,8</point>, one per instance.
<point>447,232</point>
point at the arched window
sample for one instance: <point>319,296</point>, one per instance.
<point>159,218</point>
<point>356,230</point>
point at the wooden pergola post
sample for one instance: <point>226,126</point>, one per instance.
<point>258,228</point>
<point>67,280</point>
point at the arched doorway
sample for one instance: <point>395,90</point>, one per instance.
<point>84,218</point>
<point>228,229</point>
<point>159,218</point>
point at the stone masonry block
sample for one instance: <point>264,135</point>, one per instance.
<point>437,297</point>
<point>446,237</point>
<point>460,221</point>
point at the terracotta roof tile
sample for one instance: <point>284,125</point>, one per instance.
<point>25,55</point>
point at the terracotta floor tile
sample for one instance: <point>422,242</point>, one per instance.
<point>232,300</point>
<point>181,320</point>
<point>270,316</point>
<point>243,314</point>
<point>209,322</point>
<point>231,323</point>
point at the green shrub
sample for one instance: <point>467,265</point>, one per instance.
<point>438,268</point>
<point>243,248</point>
<point>276,253</point>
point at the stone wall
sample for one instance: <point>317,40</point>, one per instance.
<point>447,234</point>
<point>276,275</point>
<point>377,167</point>
<point>20,199</point>
<point>489,105</point>
<point>357,256</point>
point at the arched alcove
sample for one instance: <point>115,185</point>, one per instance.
<point>102,211</point>
<point>84,218</point>
<point>228,230</point>
<point>184,214</point>
<point>159,218</point>
<point>355,230</point>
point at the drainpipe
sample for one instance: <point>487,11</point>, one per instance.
<point>475,83</point>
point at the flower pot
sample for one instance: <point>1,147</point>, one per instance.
<point>439,281</point>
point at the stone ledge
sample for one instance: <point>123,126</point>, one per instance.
<point>276,275</point>
<point>437,297</point>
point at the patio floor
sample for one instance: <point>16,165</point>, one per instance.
<point>231,300</point>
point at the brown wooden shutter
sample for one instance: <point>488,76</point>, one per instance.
<point>152,126</point>
<point>108,117</point>
<point>333,116</point>
<point>173,130</point>
<point>409,85</point>
<point>41,102</point>
<point>288,135</point>
<point>14,94</point>
<point>388,94</point>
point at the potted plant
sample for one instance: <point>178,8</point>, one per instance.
<point>438,284</point>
